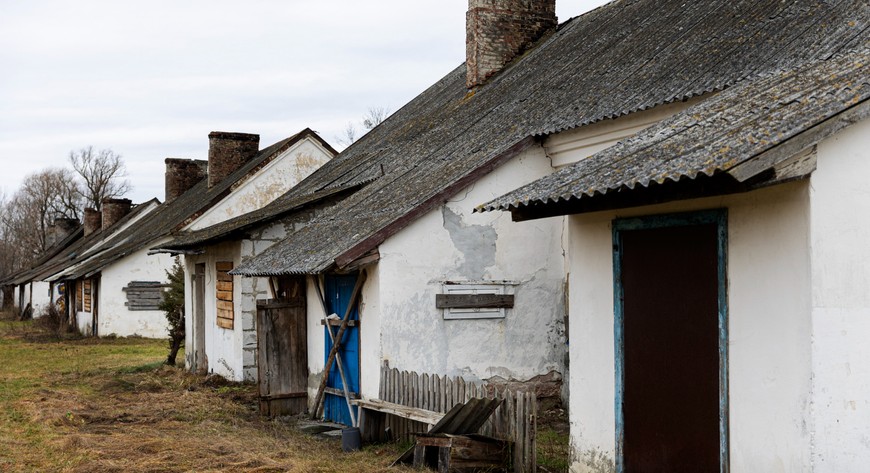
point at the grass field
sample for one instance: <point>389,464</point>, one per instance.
<point>109,405</point>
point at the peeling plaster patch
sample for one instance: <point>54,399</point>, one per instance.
<point>314,380</point>
<point>475,242</point>
<point>305,165</point>
<point>226,365</point>
<point>247,248</point>
<point>273,232</point>
<point>595,461</point>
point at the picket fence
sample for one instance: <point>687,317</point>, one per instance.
<point>514,420</point>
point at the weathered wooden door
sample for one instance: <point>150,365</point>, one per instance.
<point>339,289</point>
<point>199,362</point>
<point>671,377</point>
<point>95,305</point>
<point>282,353</point>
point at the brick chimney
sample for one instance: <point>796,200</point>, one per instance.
<point>497,31</point>
<point>114,210</point>
<point>93,220</point>
<point>60,229</point>
<point>182,174</point>
<point>227,152</point>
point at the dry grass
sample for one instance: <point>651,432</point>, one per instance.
<point>109,406</point>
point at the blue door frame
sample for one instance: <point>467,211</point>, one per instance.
<point>718,217</point>
<point>338,291</point>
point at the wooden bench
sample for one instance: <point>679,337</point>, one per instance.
<point>372,414</point>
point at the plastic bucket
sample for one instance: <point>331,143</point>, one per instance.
<point>350,439</point>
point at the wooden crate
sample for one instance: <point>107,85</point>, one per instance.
<point>461,453</point>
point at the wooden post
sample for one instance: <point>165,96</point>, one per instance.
<point>335,346</point>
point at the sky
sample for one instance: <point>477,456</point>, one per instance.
<point>150,80</point>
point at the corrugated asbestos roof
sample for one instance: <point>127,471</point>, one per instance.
<point>26,275</point>
<point>169,216</point>
<point>721,134</point>
<point>76,243</point>
<point>623,57</point>
<point>285,204</point>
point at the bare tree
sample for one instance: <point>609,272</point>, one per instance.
<point>348,135</point>
<point>44,196</point>
<point>102,174</point>
<point>8,248</point>
<point>373,117</point>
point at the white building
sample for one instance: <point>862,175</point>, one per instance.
<point>717,259</point>
<point>227,345</point>
<point>116,284</point>
<point>713,206</point>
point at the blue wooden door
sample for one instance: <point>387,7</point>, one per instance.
<point>339,289</point>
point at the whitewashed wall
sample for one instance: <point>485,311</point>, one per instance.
<point>316,340</point>
<point>400,322</point>
<point>799,319</point>
<point>840,242</point>
<point>270,182</point>
<point>579,143</point>
<point>41,293</point>
<point>223,347</point>
<point>113,316</point>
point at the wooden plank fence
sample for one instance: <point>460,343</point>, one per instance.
<point>514,420</point>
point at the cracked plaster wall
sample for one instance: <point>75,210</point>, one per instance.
<point>453,243</point>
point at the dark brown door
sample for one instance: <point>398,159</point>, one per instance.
<point>671,367</point>
<point>282,350</point>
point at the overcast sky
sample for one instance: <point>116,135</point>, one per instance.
<point>151,79</point>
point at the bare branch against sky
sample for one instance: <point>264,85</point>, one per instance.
<point>102,175</point>
<point>150,80</point>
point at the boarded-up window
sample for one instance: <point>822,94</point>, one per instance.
<point>144,295</point>
<point>79,296</point>
<point>87,295</point>
<point>474,301</point>
<point>224,294</point>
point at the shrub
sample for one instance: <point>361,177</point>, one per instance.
<point>52,321</point>
<point>173,305</point>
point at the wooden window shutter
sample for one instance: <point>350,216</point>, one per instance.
<point>87,298</point>
<point>144,295</point>
<point>224,294</point>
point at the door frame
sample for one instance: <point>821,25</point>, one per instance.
<point>199,358</point>
<point>718,217</point>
